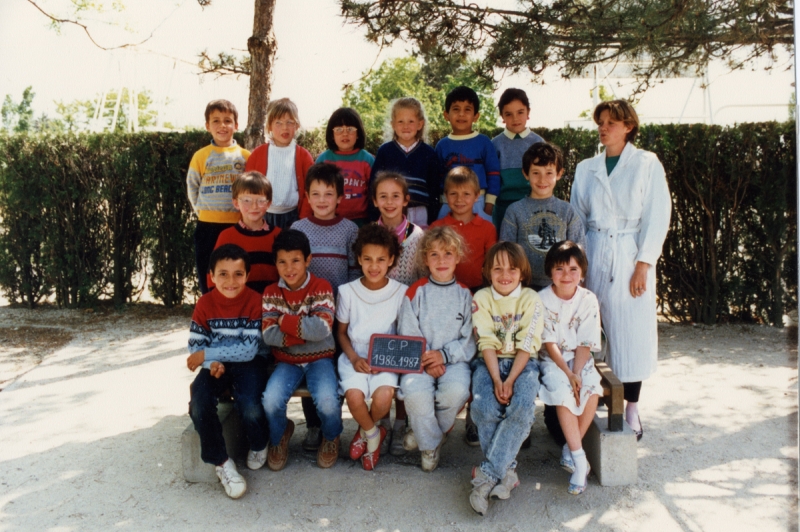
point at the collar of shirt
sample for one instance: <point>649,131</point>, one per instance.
<point>463,137</point>
<point>264,227</point>
<point>437,283</point>
<point>400,230</point>
<point>524,133</point>
<point>282,283</point>
<point>514,293</point>
<point>408,150</point>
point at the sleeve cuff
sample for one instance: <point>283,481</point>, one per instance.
<point>491,199</point>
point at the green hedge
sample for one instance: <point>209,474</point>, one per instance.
<point>84,217</point>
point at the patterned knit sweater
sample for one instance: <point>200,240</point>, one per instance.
<point>209,179</point>
<point>356,166</point>
<point>420,167</point>
<point>508,323</point>
<point>405,270</point>
<point>474,151</point>
<point>257,244</point>
<point>299,323</point>
<point>227,329</point>
<point>332,256</point>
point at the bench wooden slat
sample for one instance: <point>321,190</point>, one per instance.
<point>613,396</point>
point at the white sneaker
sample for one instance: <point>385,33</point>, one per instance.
<point>410,441</point>
<point>481,486</point>
<point>503,488</point>
<point>256,459</point>
<point>430,459</point>
<point>232,481</point>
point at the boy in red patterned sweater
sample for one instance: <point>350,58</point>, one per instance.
<point>297,320</point>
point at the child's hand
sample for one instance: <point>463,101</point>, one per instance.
<point>196,360</point>
<point>361,365</point>
<point>575,382</point>
<point>436,371</point>
<point>488,208</point>
<point>500,392</point>
<point>217,369</point>
<point>508,391</point>
<point>432,358</point>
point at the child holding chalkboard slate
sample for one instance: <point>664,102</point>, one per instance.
<point>437,308</point>
<point>367,306</point>
<point>508,319</point>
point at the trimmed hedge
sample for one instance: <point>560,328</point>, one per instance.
<point>85,217</point>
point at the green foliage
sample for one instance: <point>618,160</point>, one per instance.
<point>396,78</point>
<point>84,217</point>
<point>18,117</point>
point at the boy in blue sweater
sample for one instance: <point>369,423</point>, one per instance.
<point>464,147</point>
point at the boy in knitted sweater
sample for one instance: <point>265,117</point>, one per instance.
<point>224,341</point>
<point>297,321</point>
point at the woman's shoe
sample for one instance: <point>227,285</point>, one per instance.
<point>639,433</point>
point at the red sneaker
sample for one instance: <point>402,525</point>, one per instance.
<point>370,460</point>
<point>358,446</point>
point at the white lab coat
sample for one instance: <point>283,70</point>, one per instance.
<point>626,218</point>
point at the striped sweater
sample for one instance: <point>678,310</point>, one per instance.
<point>209,179</point>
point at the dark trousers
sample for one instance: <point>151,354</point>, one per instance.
<point>246,381</point>
<point>205,238</point>
<point>631,390</point>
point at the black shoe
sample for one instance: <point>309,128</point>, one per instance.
<point>527,443</point>
<point>471,435</point>
<point>639,433</point>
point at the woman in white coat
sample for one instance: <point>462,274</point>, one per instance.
<point>622,198</point>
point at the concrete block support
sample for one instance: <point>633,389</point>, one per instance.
<point>194,469</point>
<point>612,455</point>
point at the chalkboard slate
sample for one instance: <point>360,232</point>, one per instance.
<point>396,354</point>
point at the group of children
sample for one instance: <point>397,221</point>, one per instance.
<point>321,256</point>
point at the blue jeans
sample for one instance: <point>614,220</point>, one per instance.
<point>477,209</point>
<point>324,388</point>
<point>245,380</point>
<point>503,428</point>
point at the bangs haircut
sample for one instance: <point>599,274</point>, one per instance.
<point>542,154</point>
<point>389,176</point>
<point>462,93</point>
<point>252,182</point>
<point>412,104</point>
<point>621,111</point>
<point>345,116</point>
<point>228,252</point>
<point>277,108</point>
<point>443,236</point>
<point>291,240</point>
<point>516,258</point>
<point>561,253</point>
<point>509,95</point>
<point>223,106</point>
<point>326,173</point>
<point>377,235</point>
<point>462,176</point>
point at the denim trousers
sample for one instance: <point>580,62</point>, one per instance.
<point>323,385</point>
<point>503,428</point>
<point>246,381</point>
<point>433,404</point>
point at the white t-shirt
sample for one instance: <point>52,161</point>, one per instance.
<point>369,312</point>
<point>283,178</point>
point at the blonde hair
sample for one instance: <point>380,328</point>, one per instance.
<point>621,111</point>
<point>278,108</point>
<point>462,176</point>
<point>406,103</point>
<point>444,236</point>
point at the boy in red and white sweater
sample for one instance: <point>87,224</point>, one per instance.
<point>297,320</point>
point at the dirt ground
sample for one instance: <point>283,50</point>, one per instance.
<point>93,405</point>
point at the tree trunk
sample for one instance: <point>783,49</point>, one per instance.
<point>262,46</point>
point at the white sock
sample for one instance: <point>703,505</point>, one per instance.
<point>373,438</point>
<point>565,452</point>
<point>581,465</point>
<point>632,415</point>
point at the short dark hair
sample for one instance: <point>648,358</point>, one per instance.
<point>516,258</point>
<point>622,111</point>
<point>228,252</point>
<point>345,116</point>
<point>377,235</point>
<point>223,106</point>
<point>542,154</point>
<point>326,173</point>
<point>252,182</point>
<point>462,93</point>
<point>561,253</point>
<point>291,240</point>
<point>509,95</point>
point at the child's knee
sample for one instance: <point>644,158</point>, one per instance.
<point>418,403</point>
<point>354,397</point>
<point>383,395</point>
<point>250,409</point>
<point>451,395</point>
<point>328,405</point>
<point>272,401</point>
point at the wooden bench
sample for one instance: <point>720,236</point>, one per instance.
<point>612,396</point>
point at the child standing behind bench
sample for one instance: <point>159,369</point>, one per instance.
<point>297,322</point>
<point>438,308</point>
<point>508,320</point>
<point>284,163</point>
<point>209,179</point>
<point>225,339</point>
<point>570,381</point>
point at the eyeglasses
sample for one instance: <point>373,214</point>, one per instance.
<point>281,124</point>
<point>247,202</point>
<point>344,129</point>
